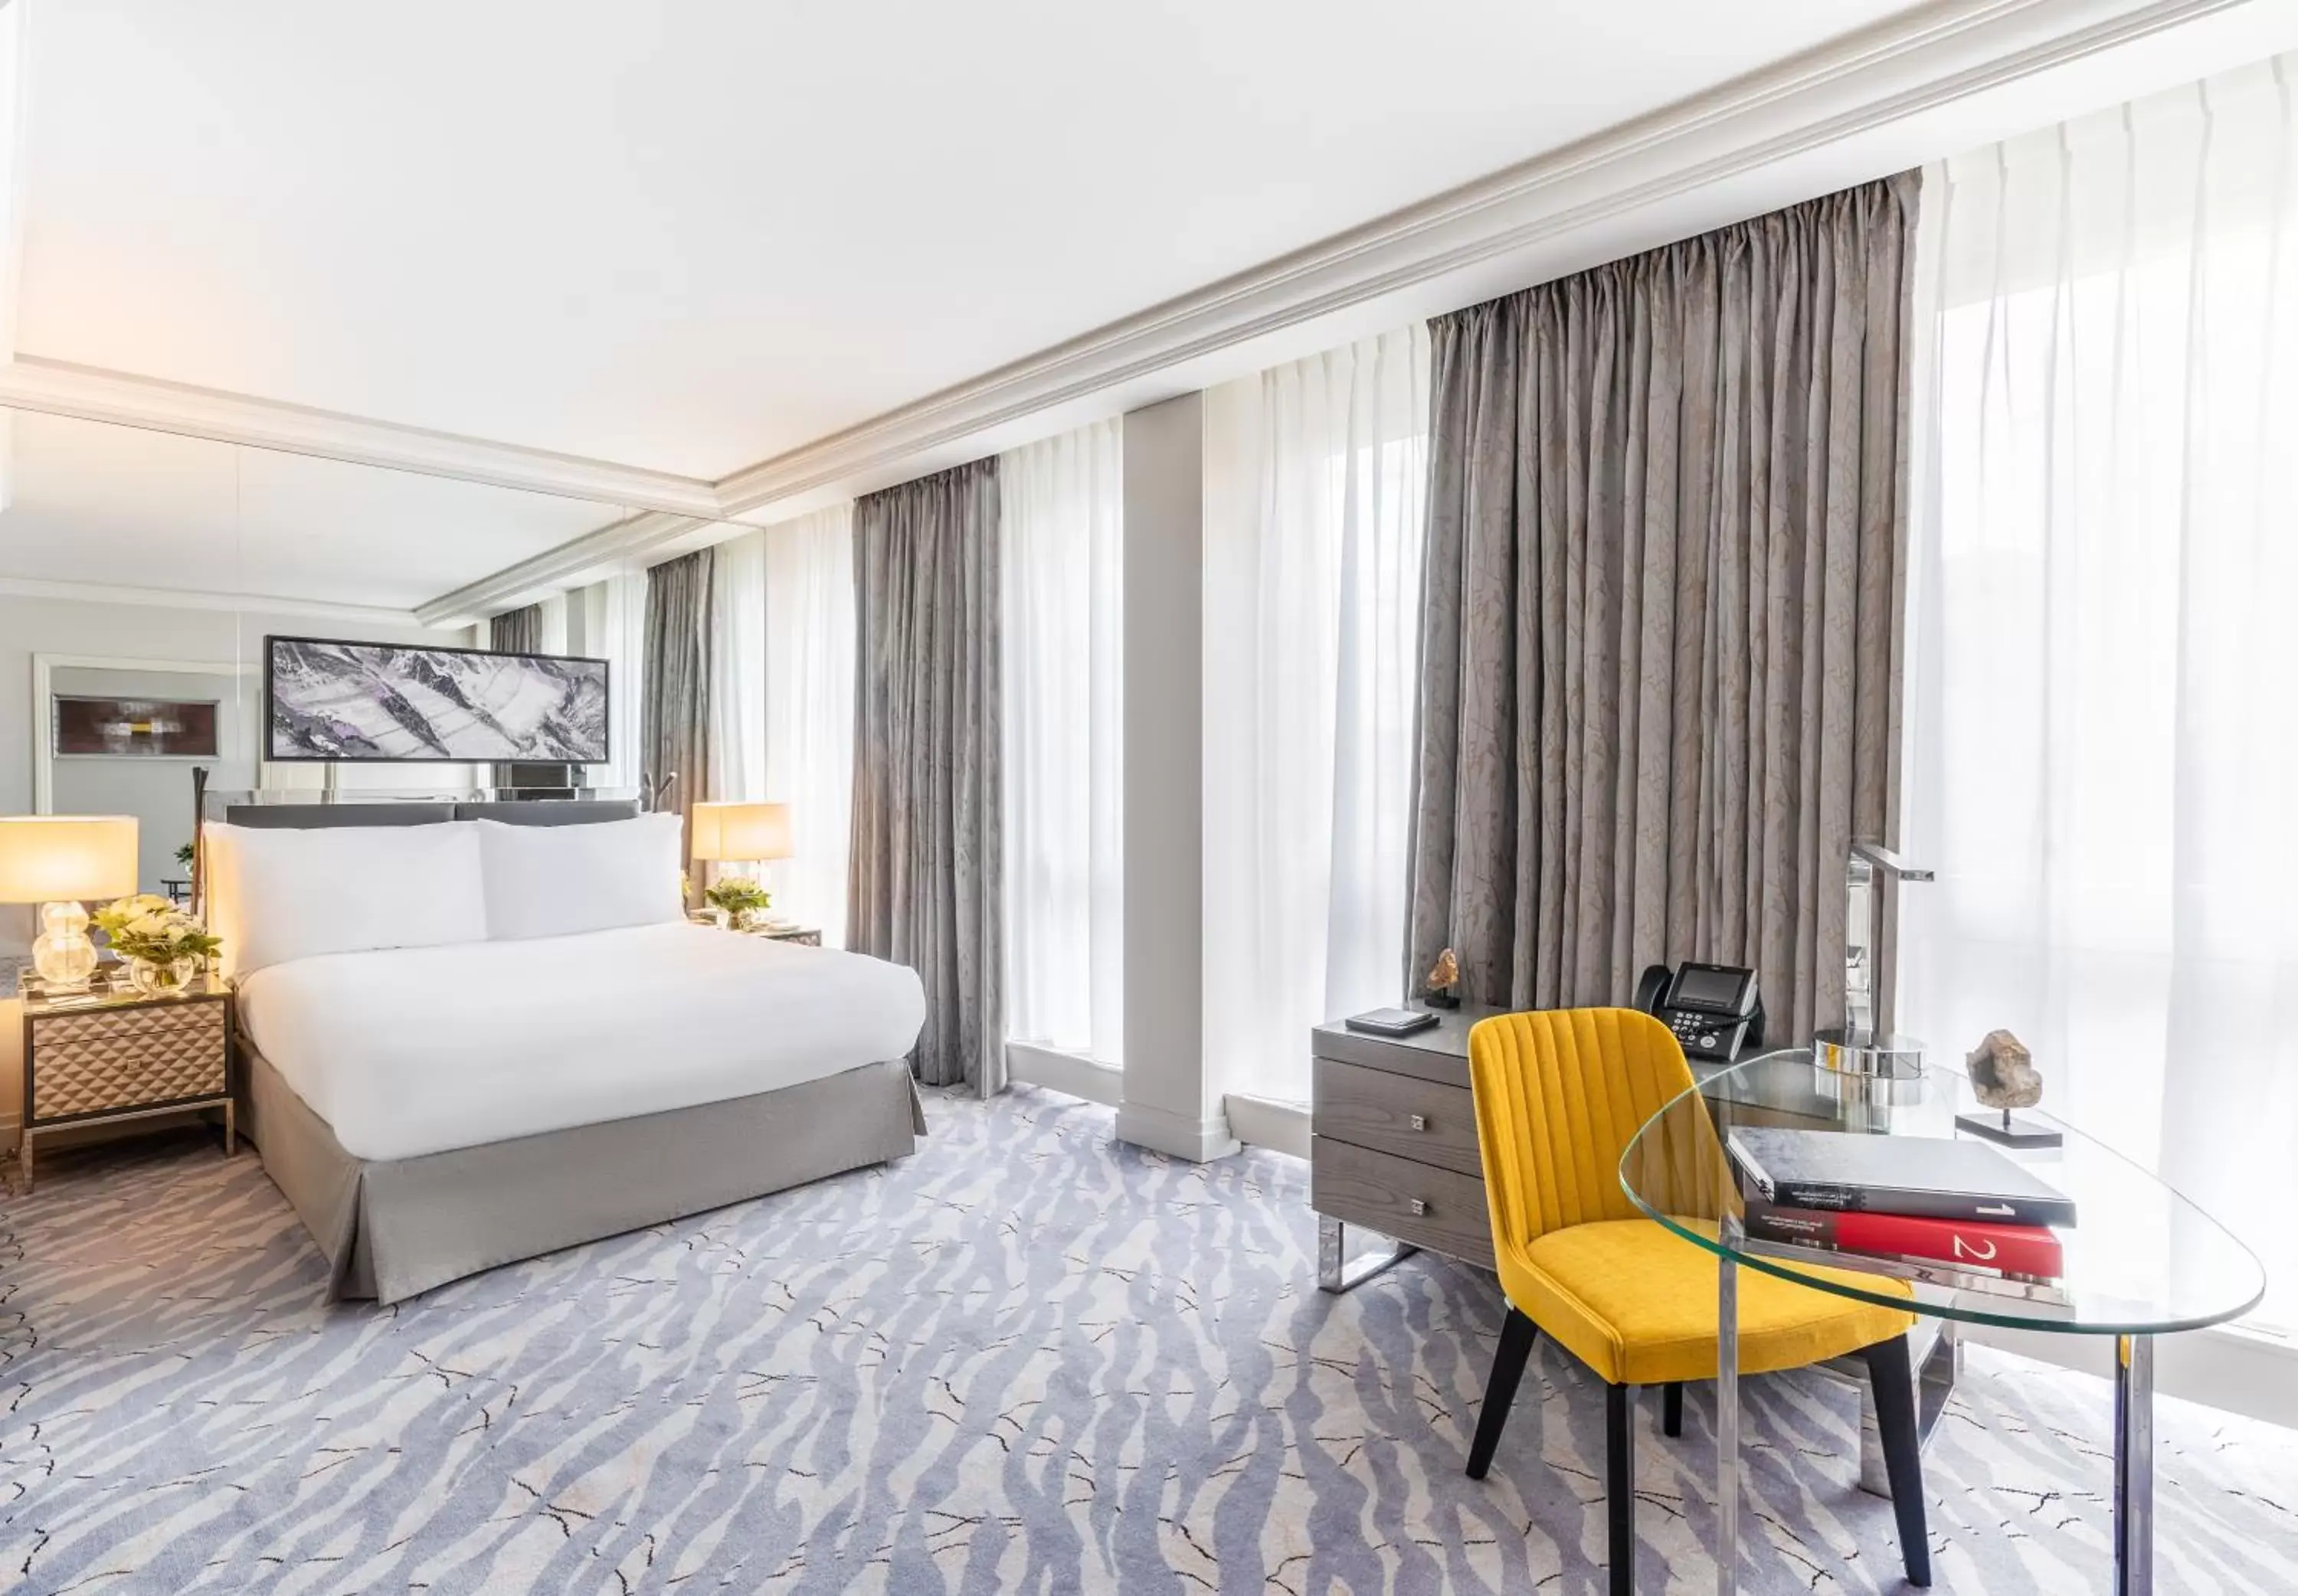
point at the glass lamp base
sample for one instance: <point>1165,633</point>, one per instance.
<point>61,954</point>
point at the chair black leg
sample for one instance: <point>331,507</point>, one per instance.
<point>1517,1337</point>
<point>1890,1370</point>
<point>1620,1484</point>
<point>1671,1408</point>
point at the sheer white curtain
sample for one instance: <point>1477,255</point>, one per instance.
<point>1061,521</point>
<point>809,711</point>
<point>1315,487</point>
<point>2104,564</point>
<point>613,629</point>
<point>554,623</point>
<point>738,670</point>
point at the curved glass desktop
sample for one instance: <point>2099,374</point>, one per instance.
<point>2139,1260</point>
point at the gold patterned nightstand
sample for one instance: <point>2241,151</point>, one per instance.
<point>113,1054</point>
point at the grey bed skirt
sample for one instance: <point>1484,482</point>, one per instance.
<point>393,1228</point>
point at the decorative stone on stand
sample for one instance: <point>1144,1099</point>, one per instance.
<point>2003,1078</point>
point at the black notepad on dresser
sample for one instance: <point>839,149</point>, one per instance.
<point>1391,1022</point>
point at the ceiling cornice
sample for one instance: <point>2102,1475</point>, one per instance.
<point>1897,69</point>
<point>1900,67</point>
<point>625,540</point>
<point>56,388</point>
<point>105,592</point>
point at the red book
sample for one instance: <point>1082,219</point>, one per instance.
<point>2030,1251</point>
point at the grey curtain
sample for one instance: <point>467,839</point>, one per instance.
<point>517,631</point>
<point>925,882</point>
<point>675,678</point>
<point>1661,633</point>
<point>514,632</point>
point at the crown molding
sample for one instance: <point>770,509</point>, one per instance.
<point>57,388</point>
<point>1898,68</point>
<point>154,598</point>
<point>624,542</point>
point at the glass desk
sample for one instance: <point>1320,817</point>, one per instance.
<point>2139,1260</point>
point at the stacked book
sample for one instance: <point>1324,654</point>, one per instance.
<point>1956,1213</point>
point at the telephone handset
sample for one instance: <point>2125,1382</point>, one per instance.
<point>1713,1009</point>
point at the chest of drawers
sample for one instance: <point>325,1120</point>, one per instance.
<point>1392,1148</point>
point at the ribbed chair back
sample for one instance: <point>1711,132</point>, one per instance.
<point>1559,1095</point>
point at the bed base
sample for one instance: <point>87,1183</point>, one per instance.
<point>393,1228</point>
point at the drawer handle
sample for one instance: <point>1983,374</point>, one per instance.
<point>1420,1122</point>
<point>1420,1207</point>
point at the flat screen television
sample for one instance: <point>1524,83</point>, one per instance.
<point>334,700</point>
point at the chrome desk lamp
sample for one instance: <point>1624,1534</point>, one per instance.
<point>1861,1047</point>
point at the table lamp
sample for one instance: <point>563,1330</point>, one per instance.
<point>54,861</point>
<point>745,832</point>
<point>727,832</point>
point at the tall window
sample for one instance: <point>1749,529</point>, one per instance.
<point>1315,494</point>
<point>1062,513</point>
<point>809,732</point>
<point>781,700</point>
<point>2105,563</point>
<point>613,629</point>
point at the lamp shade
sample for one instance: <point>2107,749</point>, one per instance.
<point>741,831</point>
<point>53,859</point>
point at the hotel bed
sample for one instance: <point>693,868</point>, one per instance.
<point>434,1110</point>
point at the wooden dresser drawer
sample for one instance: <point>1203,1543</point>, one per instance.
<point>106,1061</point>
<point>1379,1191</point>
<point>1389,1112</point>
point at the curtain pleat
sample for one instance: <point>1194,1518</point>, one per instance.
<point>1659,624</point>
<point>926,870</point>
<point>675,730</point>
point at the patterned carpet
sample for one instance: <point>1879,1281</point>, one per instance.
<point>1024,1360</point>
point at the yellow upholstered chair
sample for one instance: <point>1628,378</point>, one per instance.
<point>1559,1095</point>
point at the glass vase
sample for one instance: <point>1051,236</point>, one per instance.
<point>155,980</point>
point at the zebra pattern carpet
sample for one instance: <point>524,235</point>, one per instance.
<point>1026,1359</point>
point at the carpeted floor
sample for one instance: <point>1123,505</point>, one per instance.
<point>1024,1360</point>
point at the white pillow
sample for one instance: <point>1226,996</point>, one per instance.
<point>277,894</point>
<point>556,881</point>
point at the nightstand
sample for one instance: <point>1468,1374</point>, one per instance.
<point>804,935</point>
<point>112,1054</point>
<point>1392,1148</point>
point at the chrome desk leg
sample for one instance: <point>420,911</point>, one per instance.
<point>1727,1413</point>
<point>1337,1271</point>
<point>2134,1464</point>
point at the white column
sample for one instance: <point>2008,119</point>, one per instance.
<point>1169,1103</point>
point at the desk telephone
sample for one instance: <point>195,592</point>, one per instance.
<point>1713,1009</point>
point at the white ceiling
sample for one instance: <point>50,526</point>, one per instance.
<point>691,235</point>
<point>712,256</point>
<point>86,502</point>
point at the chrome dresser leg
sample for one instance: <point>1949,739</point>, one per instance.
<point>1337,1271</point>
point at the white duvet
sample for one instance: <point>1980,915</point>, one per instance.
<point>410,1051</point>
